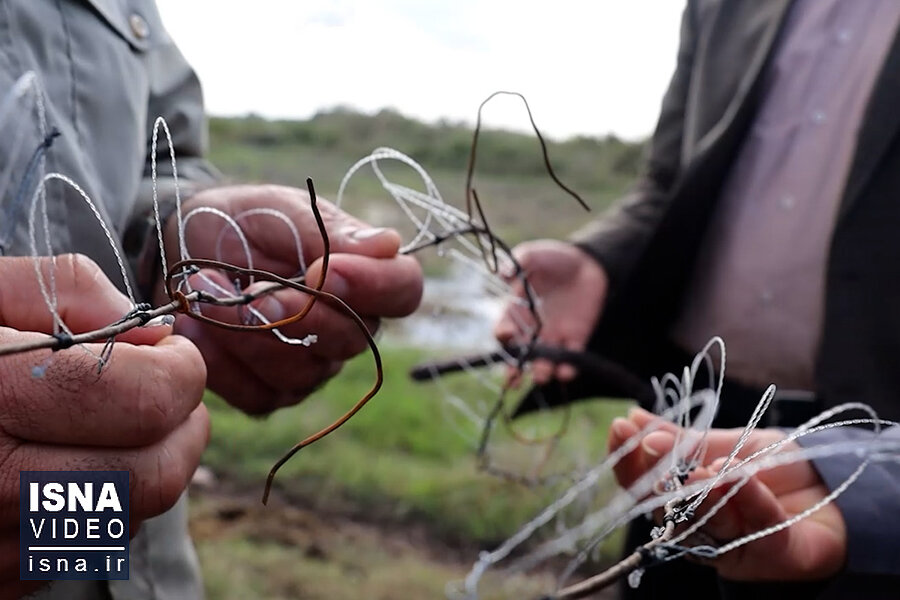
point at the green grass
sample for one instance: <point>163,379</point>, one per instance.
<point>407,461</point>
<point>517,194</point>
<point>400,455</point>
<point>336,563</point>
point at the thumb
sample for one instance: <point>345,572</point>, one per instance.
<point>755,504</point>
<point>86,299</point>
<point>656,445</point>
<point>357,238</point>
<point>752,508</point>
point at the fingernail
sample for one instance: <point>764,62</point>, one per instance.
<point>657,443</point>
<point>160,321</point>
<point>566,373</point>
<point>648,449</point>
<point>335,284</point>
<point>271,308</point>
<point>620,428</point>
<point>368,233</point>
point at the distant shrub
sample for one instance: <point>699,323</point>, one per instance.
<point>444,144</point>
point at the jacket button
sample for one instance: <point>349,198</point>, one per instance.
<point>139,26</point>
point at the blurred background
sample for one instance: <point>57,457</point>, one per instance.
<point>393,505</point>
<point>587,68</point>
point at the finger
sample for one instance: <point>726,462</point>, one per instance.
<point>542,371</point>
<point>346,233</point>
<point>721,442</point>
<point>517,319</point>
<point>620,431</point>
<point>714,441</point>
<point>339,336</point>
<point>723,526</point>
<point>140,396</point>
<point>515,326</point>
<point>816,547</point>
<point>790,478</point>
<point>798,500</point>
<point>513,378</point>
<point>642,419</point>
<point>753,508</point>
<point>811,549</point>
<point>757,506</point>
<point>643,458</point>
<point>657,444</point>
<point>285,366</point>
<point>258,386</point>
<point>782,479</point>
<point>629,467</point>
<point>527,253</point>
<point>159,472</point>
<point>87,300</point>
<point>504,330</point>
<point>566,371</point>
<point>228,376</point>
<point>372,286</point>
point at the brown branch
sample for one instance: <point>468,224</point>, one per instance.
<point>630,385</point>
<point>470,172</point>
<point>379,379</point>
<point>119,327</point>
<point>628,564</point>
<point>471,194</point>
<point>97,335</point>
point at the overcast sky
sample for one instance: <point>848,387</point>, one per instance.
<point>586,66</point>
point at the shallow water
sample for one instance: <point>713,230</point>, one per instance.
<point>456,312</point>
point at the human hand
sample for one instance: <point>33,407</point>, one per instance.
<point>255,372</point>
<point>813,548</point>
<point>572,289</point>
<point>141,414</point>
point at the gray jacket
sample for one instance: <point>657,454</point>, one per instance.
<point>109,69</point>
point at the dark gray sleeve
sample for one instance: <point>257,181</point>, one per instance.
<point>870,507</point>
<point>174,93</point>
<point>618,236</point>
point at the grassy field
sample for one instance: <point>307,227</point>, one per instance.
<point>399,454</point>
<point>515,189</point>
<point>392,505</point>
<point>399,466</point>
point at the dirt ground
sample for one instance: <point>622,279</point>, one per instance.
<point>289,550</point>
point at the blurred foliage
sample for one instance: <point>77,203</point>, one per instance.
<point>404,459</point>
<point>510,172</point>
<point>402,456</point>
<point>584,160</point>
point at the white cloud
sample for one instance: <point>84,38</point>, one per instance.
<point>586,67</point>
